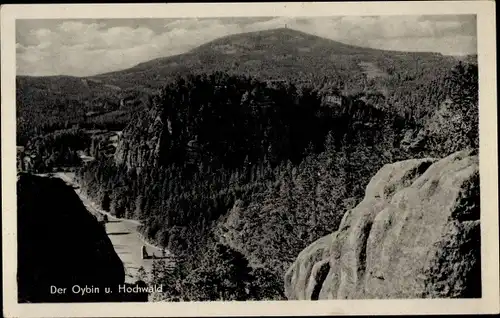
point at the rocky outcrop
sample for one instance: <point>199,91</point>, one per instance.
<point>61,245</point>
<point>140,142</point>
<point>155,138</point>
<point>416,234</point>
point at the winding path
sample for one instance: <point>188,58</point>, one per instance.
<point>123,233</point>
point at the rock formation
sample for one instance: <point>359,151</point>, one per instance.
<point>61,244</point>
<point>416,234</point>
<point>140,142</point>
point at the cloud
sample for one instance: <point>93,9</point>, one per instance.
<point>77,48</point>
<point>83,47</point>
<point>354,28</point>
<point>444,34</point>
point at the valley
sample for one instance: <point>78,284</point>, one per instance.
<point>270,163</point>
<point>124,236</point>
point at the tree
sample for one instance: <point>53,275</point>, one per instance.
<point>265,285</point>
<point>106,201</point>
<point>141,274</point>
<point>464,95</point>
<point>454,125</point>
<point>223,274</point>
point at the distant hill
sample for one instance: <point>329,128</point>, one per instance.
<point>270,53</point>
<point>278,54</point>
<point>283,53</point>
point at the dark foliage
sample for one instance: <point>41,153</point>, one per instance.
<point>47,104</point>
<point>56,149</point>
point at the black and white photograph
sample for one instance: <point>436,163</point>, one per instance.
<point>277,158</point>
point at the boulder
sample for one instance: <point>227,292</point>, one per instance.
<point>415,234</point>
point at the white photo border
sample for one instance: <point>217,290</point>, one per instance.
<point>486,37</point>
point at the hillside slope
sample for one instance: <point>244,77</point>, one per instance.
<point>415,234</point>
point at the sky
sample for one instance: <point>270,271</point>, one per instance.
<point>89,47</point>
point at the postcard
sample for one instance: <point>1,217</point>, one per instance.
<point>249,159</point>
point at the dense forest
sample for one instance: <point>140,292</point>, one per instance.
<point>48,104</point>
<point>56,149</point>
<point>236,176</point>
<point>239,153</point>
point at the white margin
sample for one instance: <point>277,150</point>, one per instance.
<point>485,11</point>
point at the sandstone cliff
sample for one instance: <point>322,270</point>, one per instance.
<point>152,138</point>
<point>139,144</point>
<point>416,234</point>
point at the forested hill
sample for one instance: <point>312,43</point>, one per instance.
<point>256,144</point>
<point>279,54</point>
<point>226,169</point>
<point>47,104</point>
<point>405,79</point>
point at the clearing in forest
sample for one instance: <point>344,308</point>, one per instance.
<point>372,70</point>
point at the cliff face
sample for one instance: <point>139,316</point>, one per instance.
<point>61,244</point>
<point>416,234</point>
<point>139,143</point>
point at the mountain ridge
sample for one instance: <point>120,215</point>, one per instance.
<point>260,33</point>
<point>263,34</point>
<point>276,54</point>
